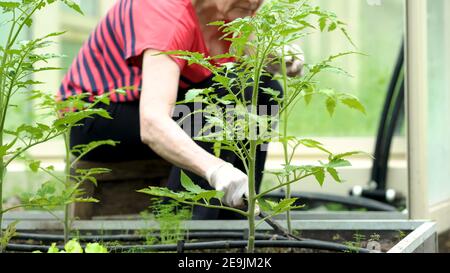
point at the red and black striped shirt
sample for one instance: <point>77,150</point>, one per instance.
<point>111,58</point>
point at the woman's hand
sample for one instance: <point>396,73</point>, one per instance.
<point>232,181</point>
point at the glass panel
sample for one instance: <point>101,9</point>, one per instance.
<point>69,49</point>
<point>89,7</point>
<point>376,28</point>
<point>22,114</point>
<point>439,99</point>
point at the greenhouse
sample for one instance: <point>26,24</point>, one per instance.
<point>224,126</point>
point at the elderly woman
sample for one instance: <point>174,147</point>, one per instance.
<point>122,52</point>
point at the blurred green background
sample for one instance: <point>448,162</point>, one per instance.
<point>375,26</point>
<point>377,31</point>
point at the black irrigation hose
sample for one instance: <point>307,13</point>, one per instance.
<point>352,201</point>
<point>57,238</point>
<point>137,238</point>
<point>385,133</point>
<point>307,244</point>
<point>26,248</point>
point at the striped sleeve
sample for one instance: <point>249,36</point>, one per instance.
<point>163,25</point>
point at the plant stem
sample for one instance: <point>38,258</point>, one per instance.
<point>2,175</point>
<point>251,201</point>
<point>285,134</point>
<point>66,224</point>
<point>245,214</point>
<point>253,136</point>
<point>68,181</point>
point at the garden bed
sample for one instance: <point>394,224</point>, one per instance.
<point>37,231</point>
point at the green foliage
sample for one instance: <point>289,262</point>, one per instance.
<point>193,194</point>
<point>20,61</point>
<point>95,248</point>
<point>276,208</point>
<point>9,233</point>
<point>170,217</point>
<point>74,247</point>
<point>20,64</point>
<point>353,246</point>
<point>256,43</point>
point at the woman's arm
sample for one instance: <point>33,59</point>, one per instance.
<point>159,93</point>
<point>164,136</point>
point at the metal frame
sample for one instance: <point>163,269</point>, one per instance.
<point>424,239</point>
<point>417,106</point>
<point>296,215</point>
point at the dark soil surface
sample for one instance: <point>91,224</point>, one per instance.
<point>382,241</point>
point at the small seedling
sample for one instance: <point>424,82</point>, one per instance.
<point>73,246</point>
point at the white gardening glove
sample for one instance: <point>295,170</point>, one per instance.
<point>295,61</point>
<point>233,182</point>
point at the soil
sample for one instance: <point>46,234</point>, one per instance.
<point>382,241</point>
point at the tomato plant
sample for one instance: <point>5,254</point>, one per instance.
<point>241,129</point>
<point>21,61</point>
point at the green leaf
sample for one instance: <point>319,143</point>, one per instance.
<point>216,23</point>
<point>73,246</point>
<point>82,200</point>
<point>9,5</point>
<point>266,205</point>
<point>319,174</point>
<point>331,105</point>
<point>308,94</point>
<point>349,154</point>
<point>332,27</point>
<point>84,149</point>
<point>208,195</point>
<point>70,119</point>
<point>8,234</point>
<point>352,102</point>
<point>323,23</point>
<point>165,192</point>
<point>271,92</point>
<point>223,81</point>
<point>188,185</point>
<point>192,94</point>
<point>73,5</point>
<point>28,22</point>
<point>95,248</point>
<point>4,148</point>
<point>34,165</point>
<point>310,143</point>
<point>46,190</point>
<point>333,172</point>
<point>285,204</point>
<point>90,174</point>
<point>338,163</point>
<point>53,249</point>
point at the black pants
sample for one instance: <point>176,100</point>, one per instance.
<point>125,128</point>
